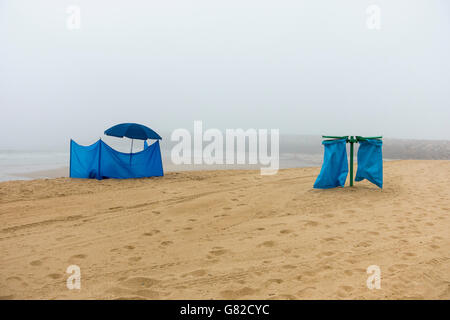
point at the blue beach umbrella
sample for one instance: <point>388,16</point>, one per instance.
<point>132,131</point>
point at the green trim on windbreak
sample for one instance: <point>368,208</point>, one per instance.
<point>359,138</point>
<point>334,137</point>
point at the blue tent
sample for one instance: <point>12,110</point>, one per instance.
<point>99,161</point>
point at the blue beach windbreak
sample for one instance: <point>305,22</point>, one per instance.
<point>335,165</point>
<point>370,162</point>
<point>99,161</point>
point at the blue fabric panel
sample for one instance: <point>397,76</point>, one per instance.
<point>101,161</point>
<point>146,163</point>
<point>370,162</point>
<point>84,160</point>
<point>335,165</point>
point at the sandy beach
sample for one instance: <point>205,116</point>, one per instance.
<point>230,234</point>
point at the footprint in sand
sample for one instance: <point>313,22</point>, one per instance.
<point>346,288</point>
<point>16,281</point>
<point>267,244</point>
<point>344,291</point>
<point>146,293</point>
<point>36,263</point>
<point>129,247</point>
<point>397,267</point>
<point>115,208</point>
<point>139,282</point>
<point>305,292</point>
<point>330,239</point>
<point>407,255</point>
<point>151,233</point>
<point>325,253</point>
<point>166,243</point>
<point>351,261</point>
<point>78,256</point>
<point>274,281</point>
<point>286,231</point>
<point>364,244</point>
<point>348,272</point>
<point>311,223</point>
<point>134,259</point>
<point>236,294</point>
<point>196,273</point>
<point>218,252</point>
<point>54,276</point>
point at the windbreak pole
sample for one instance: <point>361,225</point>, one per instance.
<point>131,150</point>
<point>351,140</point>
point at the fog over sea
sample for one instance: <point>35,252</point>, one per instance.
<point>295,151</point>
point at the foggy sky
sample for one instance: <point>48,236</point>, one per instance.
<point>304,67</point>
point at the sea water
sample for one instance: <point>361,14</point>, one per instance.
<point>25,165</point>
<point>15,163</point>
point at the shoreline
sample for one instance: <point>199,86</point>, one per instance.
<point>63,172</point>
